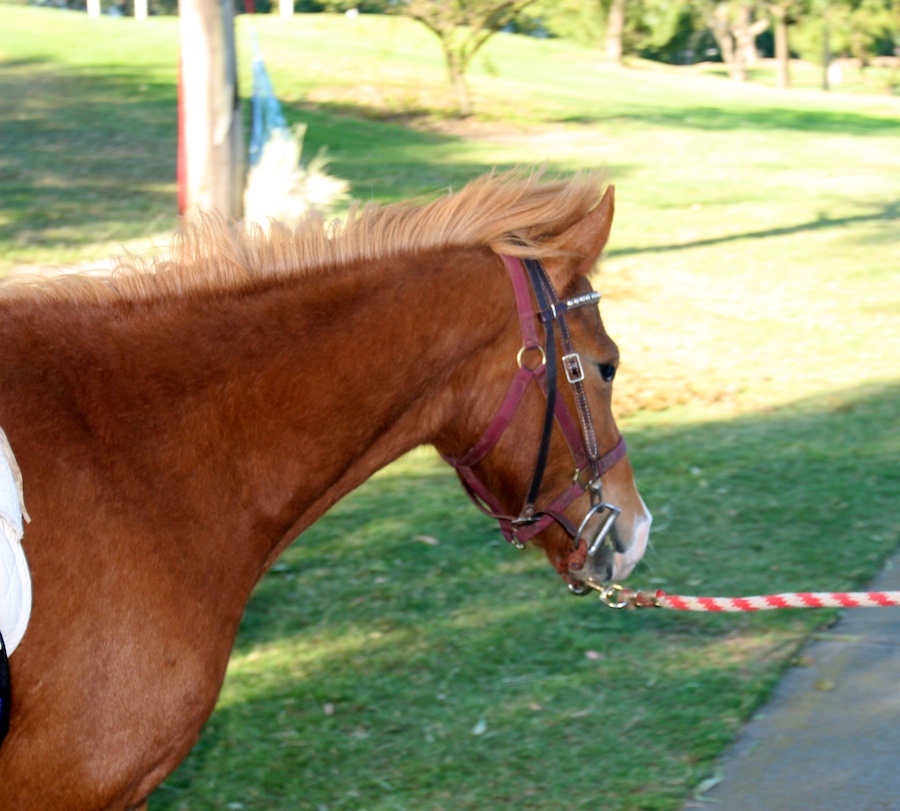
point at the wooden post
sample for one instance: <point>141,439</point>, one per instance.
<point>211,160</point>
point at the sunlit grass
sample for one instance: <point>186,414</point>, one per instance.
<point>458,674</point>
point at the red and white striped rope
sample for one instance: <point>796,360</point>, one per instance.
<point>618,597</point>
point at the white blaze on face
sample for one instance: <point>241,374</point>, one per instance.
<point>624,562</point>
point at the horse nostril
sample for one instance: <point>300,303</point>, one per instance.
<point>610,571</point>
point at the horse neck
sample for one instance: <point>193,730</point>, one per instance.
<point>254,412</point>
<point>376,352</point>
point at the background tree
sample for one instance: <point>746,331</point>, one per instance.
<point>463,27</point>
<point>589,22</point>
<point>615,31</point>
<point>736,24</point>
<point>784,14</point>
<point>582,21</point>
<point>667,30</point>
<point>860,29</point>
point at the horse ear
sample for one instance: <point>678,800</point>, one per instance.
<point>583,243</point>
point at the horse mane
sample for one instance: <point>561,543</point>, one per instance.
<point>513,213</point>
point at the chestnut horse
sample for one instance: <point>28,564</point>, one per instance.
<point>182,420</point>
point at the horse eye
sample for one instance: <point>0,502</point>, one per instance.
<point>607,371</point>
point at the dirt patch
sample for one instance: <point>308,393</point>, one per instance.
<point>657,372</point>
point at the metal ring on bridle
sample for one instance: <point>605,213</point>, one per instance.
<point>525,349</point>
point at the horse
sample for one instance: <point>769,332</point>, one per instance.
<point>181,419</point>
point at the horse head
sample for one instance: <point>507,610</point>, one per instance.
<point>550,463</point>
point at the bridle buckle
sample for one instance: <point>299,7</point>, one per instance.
<point>573,368</point>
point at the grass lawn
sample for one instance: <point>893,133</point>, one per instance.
<point>752,283</point>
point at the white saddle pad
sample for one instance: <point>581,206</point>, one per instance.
<point>15,580</point>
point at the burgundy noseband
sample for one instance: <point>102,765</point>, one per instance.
<point>529,277</point>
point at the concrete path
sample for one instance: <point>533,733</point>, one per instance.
<point>829,739</point>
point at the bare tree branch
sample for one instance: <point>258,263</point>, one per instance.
<point>463,27</point>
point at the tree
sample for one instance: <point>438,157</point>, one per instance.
<point>779,14</point>
<point>735,27</point>
<point>463,27</point>
<point>784,14</point>
<point>615,30</point>
<point>582,21</point>
<point>659,29</point>
<point>846,28</point>
<point>590,22</point>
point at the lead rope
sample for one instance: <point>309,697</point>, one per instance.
<point>615,596</point>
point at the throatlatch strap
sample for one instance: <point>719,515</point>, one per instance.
<point>5,700</point>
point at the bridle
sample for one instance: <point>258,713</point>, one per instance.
<point>529,277</point>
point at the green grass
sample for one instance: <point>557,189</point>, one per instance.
<point>370,693</point>
<point>72,173</point>
<point>751,282</point>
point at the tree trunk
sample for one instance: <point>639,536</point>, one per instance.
<point>456,69</point>
<point>210,135</point>
<point>746,30</point>
<point>736,37</point>
<point>746,42</point>
<point>615,27</point>
<point>720,24</point>
<point>462,28</point>
<point>782,47</point>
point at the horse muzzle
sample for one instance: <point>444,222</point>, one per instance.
<point>606,550</point>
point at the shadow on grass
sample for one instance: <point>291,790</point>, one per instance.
<point>83,153</point>
<point>92,155</point>
<point>385,160</point>
<point>815,454</point>
<point>437,675</point>
<point>389,159</point>
<point>759,117</point>
<point>885,213</point>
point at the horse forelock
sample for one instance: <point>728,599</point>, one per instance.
<point>513,213</point>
